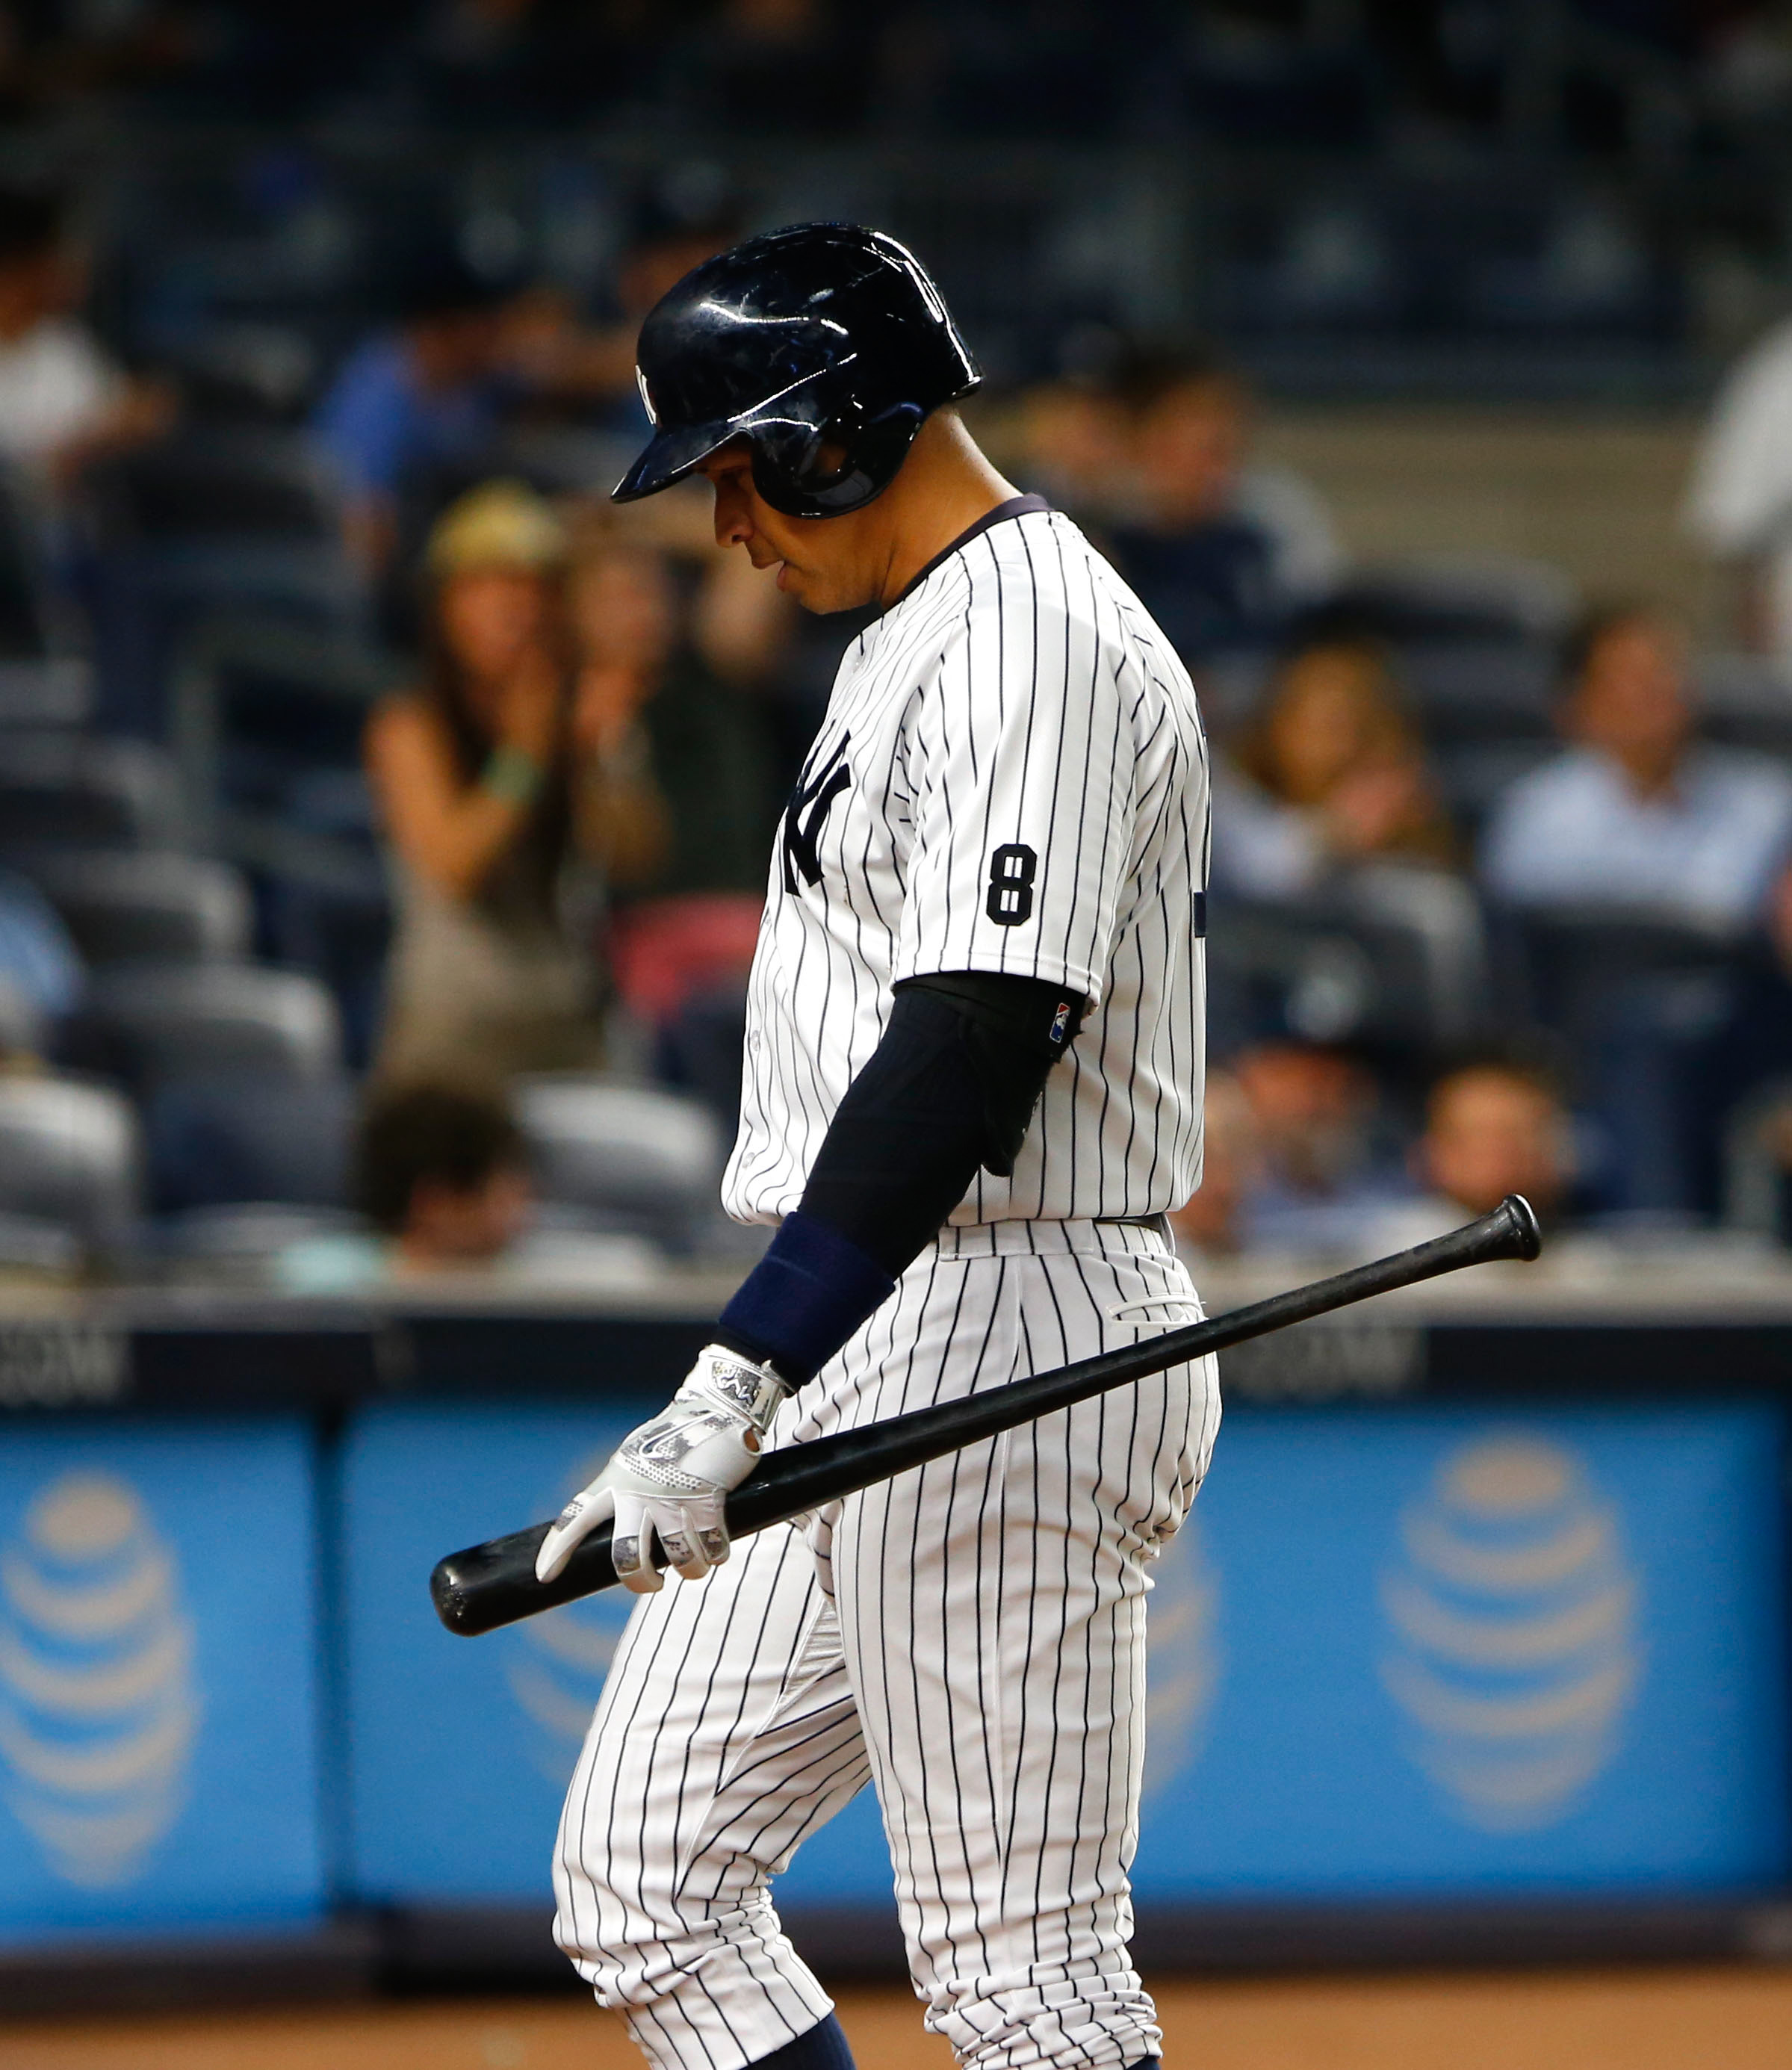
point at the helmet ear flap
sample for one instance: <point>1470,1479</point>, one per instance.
<point>786,463</point>
<point>783,455</point>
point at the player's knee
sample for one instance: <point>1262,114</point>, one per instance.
<point>635,1925</point>
<point>1073,2023</point>
<point>634,1964</point>
<point>617,1923</point>
<point>628,1960</point>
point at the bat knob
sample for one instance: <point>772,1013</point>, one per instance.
<point>1516,1220</point>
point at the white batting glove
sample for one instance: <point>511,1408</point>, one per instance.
<point>669,1479</point>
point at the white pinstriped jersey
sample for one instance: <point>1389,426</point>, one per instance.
<point>1011,776</point>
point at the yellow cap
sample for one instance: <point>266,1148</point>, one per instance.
<point>499,525</point>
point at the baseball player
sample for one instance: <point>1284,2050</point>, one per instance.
<point>971,1090</point>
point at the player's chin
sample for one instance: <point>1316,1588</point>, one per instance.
<point>813,594</point>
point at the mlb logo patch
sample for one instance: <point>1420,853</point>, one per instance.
<point>1061,1020</point>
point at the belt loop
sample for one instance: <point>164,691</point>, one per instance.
<point>1050,1236</point>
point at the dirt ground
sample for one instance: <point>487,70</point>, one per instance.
<point>1682,2019</point>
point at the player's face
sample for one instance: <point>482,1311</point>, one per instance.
<point>814,557</point>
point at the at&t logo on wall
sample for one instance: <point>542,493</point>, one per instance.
<point>98,1709</point>
<point>1184,1658</point>
<point>559,1661</point>
<point>1513,1612</point>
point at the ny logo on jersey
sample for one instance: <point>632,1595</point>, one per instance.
<point>805,813</point>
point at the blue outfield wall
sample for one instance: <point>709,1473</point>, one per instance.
<point>459,1749</point>
<point>1439,1651</point>
<point>1396,1652</point>
<point>159,1752</point>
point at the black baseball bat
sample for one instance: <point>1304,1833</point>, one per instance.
<point>488,1585</point>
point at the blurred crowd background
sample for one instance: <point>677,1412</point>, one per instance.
<point>384,816</point>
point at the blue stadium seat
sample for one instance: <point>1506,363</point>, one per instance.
<point>70,1159</point>
<point>71,790</point>
<point>1649,1008</point>
<point>46,692</point>
<point>1390,957</point>
<point>1475,775</point>
<point>642,1160</point>
<point>223,519</point>
<point>150,1023</point>
<point>1474,598</point>
<point>1745,700</point>
<point>161,906</point>
<point>1482,690</point>
<point>230,1138</point>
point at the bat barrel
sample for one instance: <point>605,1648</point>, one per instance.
<point>485,1586</point>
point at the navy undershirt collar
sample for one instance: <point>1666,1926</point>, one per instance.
<point>1015,506</point>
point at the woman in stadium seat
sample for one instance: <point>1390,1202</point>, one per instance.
<point>1333,773</point>
<point>479,770</point>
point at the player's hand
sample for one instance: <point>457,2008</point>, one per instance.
<point>669,1479</point>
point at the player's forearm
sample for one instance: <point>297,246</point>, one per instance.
<point>950,1089</point>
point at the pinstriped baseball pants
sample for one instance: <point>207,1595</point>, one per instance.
<point>970,1636</point>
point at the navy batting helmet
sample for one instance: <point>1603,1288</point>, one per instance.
<point>824,346</point>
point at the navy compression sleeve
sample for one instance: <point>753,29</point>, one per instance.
<point>950,1087</point>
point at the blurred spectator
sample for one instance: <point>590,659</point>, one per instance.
<point>475,770</point>
<point>1222,551</point>
<point>591,365</point>
<point>442,1173</point>
<point>622,617</point>
<point>40,972</point>
<point>689,217</point>
<point>1315,1113</point>
<point>63,401</point>
<point>687,907</point>
<point>1332,774</point>
<point>1640,820</point>
<point>685,698</point>
<point>1636,815</point>
<point>1740,504</point>
<point>1211,1224</point>
<point>426,393</point>
<point>1493,1126</point>
<point>1075,446</point>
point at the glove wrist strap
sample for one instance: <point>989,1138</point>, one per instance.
<point>752,1392</point>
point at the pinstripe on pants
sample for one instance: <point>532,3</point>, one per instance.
<point>970,1636</point>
